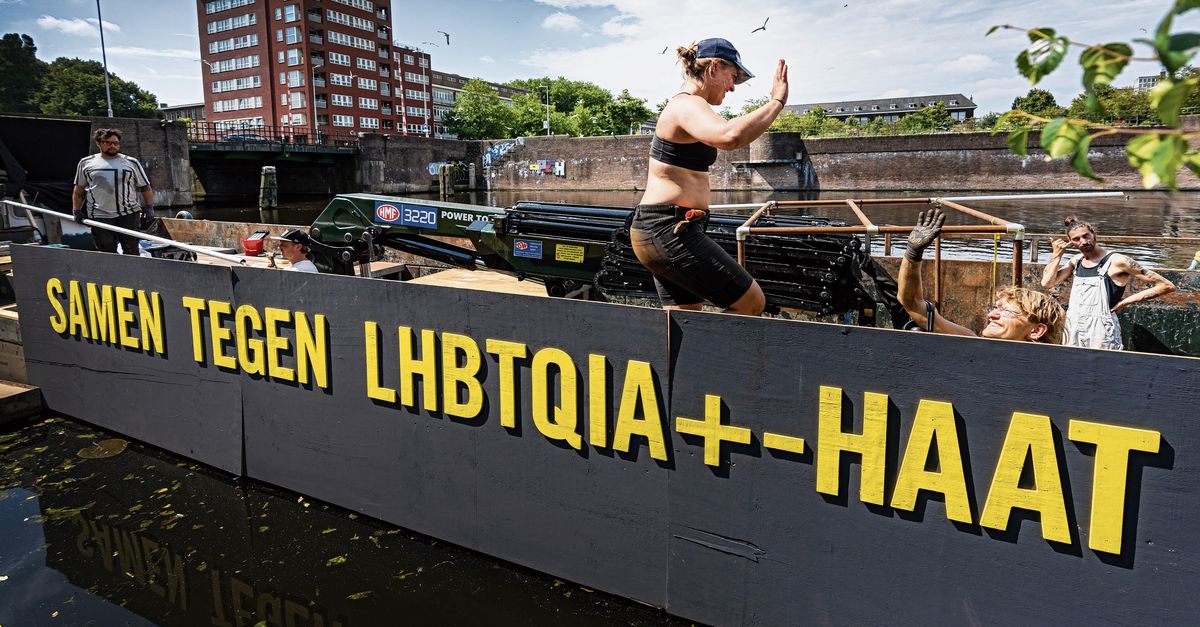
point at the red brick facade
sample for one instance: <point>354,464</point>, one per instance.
<point>299,65</point>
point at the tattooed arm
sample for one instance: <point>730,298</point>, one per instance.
<point>1159,285</point>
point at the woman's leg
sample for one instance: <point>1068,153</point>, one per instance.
<point>751,303</point>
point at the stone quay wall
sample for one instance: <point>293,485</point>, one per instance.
<point>163,150</point>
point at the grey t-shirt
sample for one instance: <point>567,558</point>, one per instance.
<point>111,185</point>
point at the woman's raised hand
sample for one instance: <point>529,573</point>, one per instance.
<point>779,89</point>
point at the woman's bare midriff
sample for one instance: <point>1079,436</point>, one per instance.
<point>673,185</point>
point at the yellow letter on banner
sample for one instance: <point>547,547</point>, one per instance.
<point>78,325</point>
<point>277,343</point>
<point>506,355</point>
<point>934,423</point>
<point>375,388</point>
<point>411,366</point>
<point>597,400</point>
<point>1029,435</point>
<point>54,291</point>
<point>638,393</point>
<point>125,317</point>
<point>565,424</point>
<point>220,335</point>
<point>312,353</point>
<point>195,307</point>
<point>1109,480</point>
<point>151,321</point>
<point>871,445</point>
<point>466,375</point>
<point>101,315</point>
<point>249,349</point>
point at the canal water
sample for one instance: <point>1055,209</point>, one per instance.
<point>1155,214</point>
<point>142,537</point>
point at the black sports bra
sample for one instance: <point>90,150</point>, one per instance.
<point>696,156</point>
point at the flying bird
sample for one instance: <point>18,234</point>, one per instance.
<point>664,50</point>
<point>763,27</point>
<point>447,36</point>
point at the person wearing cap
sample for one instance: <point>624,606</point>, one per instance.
<point>667,229</point>
<point>293,245</point>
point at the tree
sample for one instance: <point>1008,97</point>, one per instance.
<point>76,87</point>
<point>927,119</point>
<point>23,73</point>
<point>479,113</point>
<point>1038,102</point>
<point>626,113</point>
<point>1156,154</point>
<point>1125,104</point>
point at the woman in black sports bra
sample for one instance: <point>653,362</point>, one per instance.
<point>668,226</point>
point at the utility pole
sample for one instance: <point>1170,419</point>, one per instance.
<point>547,107</point>
<point>104,57</point>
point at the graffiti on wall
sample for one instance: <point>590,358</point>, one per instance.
<point>542,167</point>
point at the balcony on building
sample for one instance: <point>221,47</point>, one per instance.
<point>319,80</point>
<point>384,90</point>
<point>383,34</point>
<point>317,60</point>
<point>382,13</point>
<point>316,37</point>
<point>322,103</point>
<point>314,15</point>
<point>384,72</point>
<point>386,110</point>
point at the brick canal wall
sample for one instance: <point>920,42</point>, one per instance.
<point>398,165</point>
<point>787,162</point>
<point>162,149</point>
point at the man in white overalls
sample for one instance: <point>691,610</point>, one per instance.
<point>1098,290</point>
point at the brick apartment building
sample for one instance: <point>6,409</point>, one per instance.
<point>304,66</point>
<point>446,89</point>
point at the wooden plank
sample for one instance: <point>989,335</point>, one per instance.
<point>10,326</point>
<point>12,362</point>
<point>18,401</point>
<point>486,281</point>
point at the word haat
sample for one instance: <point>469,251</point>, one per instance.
<point>459,360</point>
<point>1030,436</point>
<point>106,314</point>
<point>258,342</point>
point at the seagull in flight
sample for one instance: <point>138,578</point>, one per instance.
<point>447,36</point>
<point>763,27</point>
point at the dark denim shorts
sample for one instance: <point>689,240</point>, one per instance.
<point>688,267</point>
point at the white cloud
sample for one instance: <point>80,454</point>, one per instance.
<point>574,4</point>
<point>135,51</point>
<point>895,93</point>
<point>969,63</point>
<point>873,53</point>
<point>76,26</point>
<point>562,21</point>
<point>487,59</point>
<point>621,26</point>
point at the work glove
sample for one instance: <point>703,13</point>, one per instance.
<point>80,215</point>
<point>929,224</point>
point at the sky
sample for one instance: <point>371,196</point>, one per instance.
<point>835,49</point>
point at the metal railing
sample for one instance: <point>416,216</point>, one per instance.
<point>269,136</point>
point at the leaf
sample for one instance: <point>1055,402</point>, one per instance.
<point>1102,64</point>
<point>1157,157</point>
<point>1061,137</point>
<point>1192,161</point>
<point>1167,99</point>
<point>993,29</point>
<point>1080,160</point>
<point>1183,6</point>
<point>334,561</point>
<point>1018,141</point>
<point>1179,50</point>
<point>1000,121</point>
<point>1044,53</point>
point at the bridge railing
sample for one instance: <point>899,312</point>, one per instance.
<point>270,136</point>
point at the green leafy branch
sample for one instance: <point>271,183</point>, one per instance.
<point>1156,153</point>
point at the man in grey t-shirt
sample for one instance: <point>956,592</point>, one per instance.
<point>107,186</point>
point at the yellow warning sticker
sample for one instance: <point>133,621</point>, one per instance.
<point>568,252</point>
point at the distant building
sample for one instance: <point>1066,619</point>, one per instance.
<point>447,87</point>
<point>647,127</point>
<point>413,91</point>
<point>306,66</point>
<point>890,109</point>
<point>1146,83</point>
<point>194,112</point>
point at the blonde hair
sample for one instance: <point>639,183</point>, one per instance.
<point>1038,308</point>
<point>693,67</point>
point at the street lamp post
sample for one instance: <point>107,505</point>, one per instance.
<point>104,57</point>
<point>316,133</point>
<point>547,110</point>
